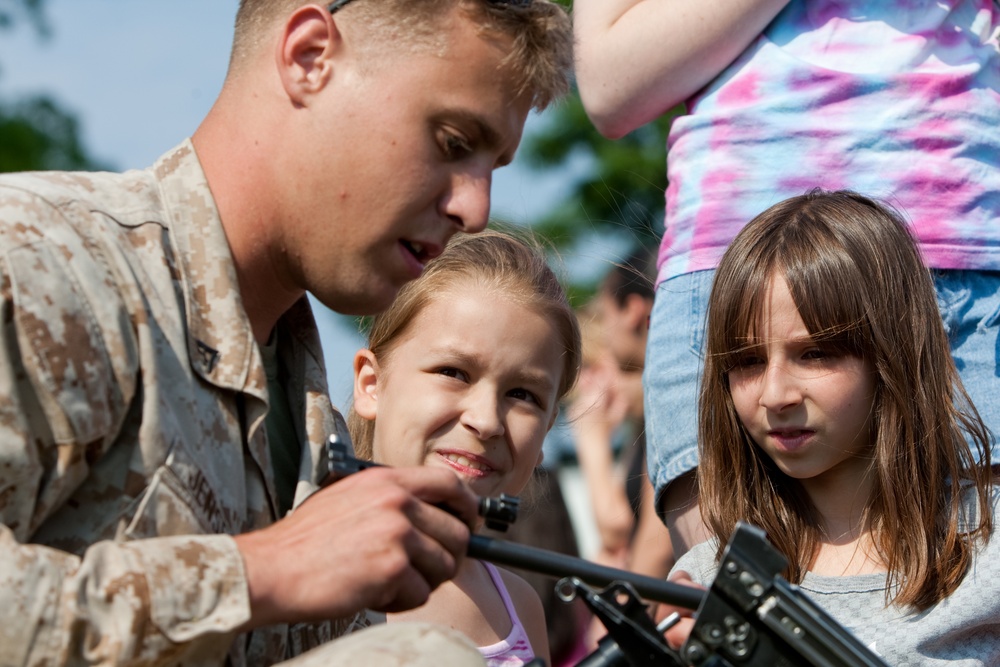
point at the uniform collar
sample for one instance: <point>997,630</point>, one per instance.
<point>221,345</point>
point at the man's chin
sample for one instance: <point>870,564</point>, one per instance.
<point>369,303</point>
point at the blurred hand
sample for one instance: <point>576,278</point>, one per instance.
<point>599,403</point>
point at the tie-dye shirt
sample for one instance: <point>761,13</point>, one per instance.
<point>897,99</point>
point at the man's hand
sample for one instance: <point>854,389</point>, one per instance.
<point>373,540</point>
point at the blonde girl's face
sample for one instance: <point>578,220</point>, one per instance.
<point>807,407</point>
<point>471,386</point>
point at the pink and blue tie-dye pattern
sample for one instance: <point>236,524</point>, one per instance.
<point>898,99</point>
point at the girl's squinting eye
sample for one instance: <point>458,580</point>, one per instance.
<point>449,371</point>
<point>454,146</point>
<point>524,395</point>
<point>748,361</point>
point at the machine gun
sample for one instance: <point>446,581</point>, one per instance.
<point>751,616</point>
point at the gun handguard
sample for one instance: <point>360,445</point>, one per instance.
<point>560,565</point>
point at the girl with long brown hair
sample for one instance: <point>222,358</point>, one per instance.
<point>832,416</point>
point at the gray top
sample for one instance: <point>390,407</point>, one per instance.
<point>963,629</point>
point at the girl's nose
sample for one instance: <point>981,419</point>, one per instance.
<point>780,389</point>
<point>482,415</point>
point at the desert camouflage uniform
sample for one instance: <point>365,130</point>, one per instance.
<point>132,444</point>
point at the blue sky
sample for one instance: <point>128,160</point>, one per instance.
<point>140,75</point>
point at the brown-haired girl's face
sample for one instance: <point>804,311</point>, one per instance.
<point>806,405</point>
<point>471,386</point>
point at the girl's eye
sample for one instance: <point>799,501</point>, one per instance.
<point>817,354</point>
<point>448,371</point>
<point>524,395</point>
<point>454,146</point>
<point>748,361</point>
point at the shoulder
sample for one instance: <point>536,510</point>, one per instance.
<point>529,610</point>
<point>970,509</point>
<point>522,595</point>
<point>699,562</point>
<point>62,194</point>
<point>69,325</point>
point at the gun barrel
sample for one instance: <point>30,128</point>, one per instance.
<point>560,565</point>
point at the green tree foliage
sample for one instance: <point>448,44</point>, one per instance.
<point>13,12</point>
<point>618,195</point>
<point>620,192</point>
<point>35,132</point>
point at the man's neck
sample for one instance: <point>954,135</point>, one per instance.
<point>236,163</point>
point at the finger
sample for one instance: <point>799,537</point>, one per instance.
<point>433,548</point>
<point>683,578</point>
<point>446,531</point>
<point>436,486</point>
<point>679,633</point>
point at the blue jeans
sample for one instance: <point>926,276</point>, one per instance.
<point>970,309</point>
<point>969,302</point>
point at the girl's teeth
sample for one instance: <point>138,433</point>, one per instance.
<point>463,461</point>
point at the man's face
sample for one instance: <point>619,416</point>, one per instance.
<point>400,157</point>
<point>625,329</point>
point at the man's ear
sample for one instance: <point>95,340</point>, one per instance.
<point>309,38</point>
<point>366,372</point>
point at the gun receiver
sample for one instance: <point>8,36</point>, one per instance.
<point>753,616</point>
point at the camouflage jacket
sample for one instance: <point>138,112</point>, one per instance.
<point>132,444</point>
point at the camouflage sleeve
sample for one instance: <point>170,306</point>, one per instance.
<point>171,600</point>
<point>68,368</point>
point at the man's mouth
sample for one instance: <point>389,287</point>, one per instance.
<point>417,250</point>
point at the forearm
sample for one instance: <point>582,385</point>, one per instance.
<point>149,602</point>
<point>636,59</point>
<point>652,553</point>
<point>610,506</point>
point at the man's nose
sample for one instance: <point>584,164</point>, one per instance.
<point>467,203</point>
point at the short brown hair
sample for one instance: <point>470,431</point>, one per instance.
<point>540,58</point>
